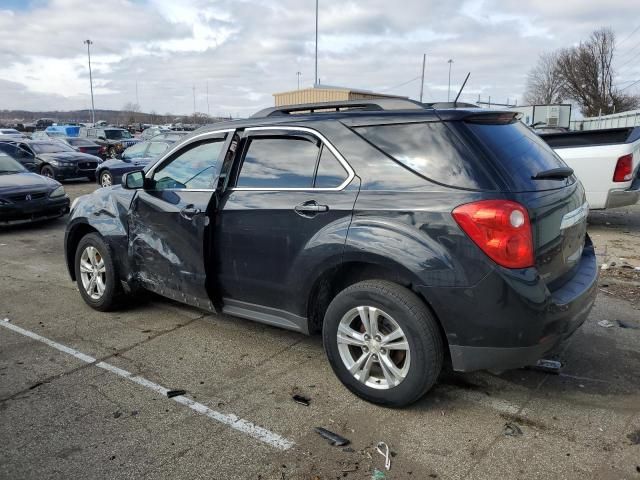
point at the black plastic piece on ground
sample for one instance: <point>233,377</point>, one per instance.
<point>176,393</point>
<point>333,438</point>
<point>301,400</point>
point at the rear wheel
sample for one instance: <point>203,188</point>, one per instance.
<point>96,273</point>
<point>383,343</point>
<point>106,180</point>
<point>47,171</point>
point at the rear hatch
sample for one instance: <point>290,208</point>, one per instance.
<point>533,174</point>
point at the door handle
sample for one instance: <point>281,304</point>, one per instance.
<point>189,212</point>
<point>311,208</point>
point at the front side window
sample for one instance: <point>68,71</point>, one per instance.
<point>279,162</point>
<point>194,168</point>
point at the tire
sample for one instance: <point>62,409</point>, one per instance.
<point>48,171</point>
<point>106,179</point>
<point>111,294</point>
<point>419,366</point>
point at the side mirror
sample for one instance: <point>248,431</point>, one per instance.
<point>133,180</point>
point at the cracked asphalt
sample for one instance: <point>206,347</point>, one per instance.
<point>61,417</point>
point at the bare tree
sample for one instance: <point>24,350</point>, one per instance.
<point>132,109</point>
<point>544,84</point>
<point>587,76</point>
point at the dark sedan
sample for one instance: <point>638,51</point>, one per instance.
<point>27,197</point>
<point>57,160</point>
<point>133,158</point>
<point>83,145</point>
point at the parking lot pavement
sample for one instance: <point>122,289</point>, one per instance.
<point>63,415</point>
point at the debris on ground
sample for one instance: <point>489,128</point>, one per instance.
<point>383,449</point>
<point>301,400</point>
<point>631,326</point>
<point>378,475</point>
<point>634,437</point>
<point>6,320</point>
<point>117,414</point>
<point>547,366</point>
<point>512,430</point>
<point>333,438</point>
<point>176,393</point>
<point>606,324</point>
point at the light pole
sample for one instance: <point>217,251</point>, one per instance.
<point>424,61</point>
<point>449,89</point>
<point>315,79</point>
<point>93,109</point>
<point>298,75</point>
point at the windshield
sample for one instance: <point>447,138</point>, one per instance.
<point>10,131</point>
<point>117,134</point>
<point>51,147</point>
<point>9,165</point>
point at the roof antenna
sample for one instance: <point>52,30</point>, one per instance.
<point>455,102</point>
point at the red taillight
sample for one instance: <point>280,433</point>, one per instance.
<point>103,149</point>
<point>501,228</point>
<point>624,167</point>
<point>82,149</point>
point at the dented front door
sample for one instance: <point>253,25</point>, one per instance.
<point>169,225</point>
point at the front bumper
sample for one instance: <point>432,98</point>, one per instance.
<point>33,211</point>
<point>624,198</point>
<point>510,319</point>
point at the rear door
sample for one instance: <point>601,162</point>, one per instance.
<point>290,203</point>
<point>169,224</point>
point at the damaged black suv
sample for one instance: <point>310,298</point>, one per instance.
<point>408,234</point>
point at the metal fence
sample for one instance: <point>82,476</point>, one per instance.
<point>615,120</point>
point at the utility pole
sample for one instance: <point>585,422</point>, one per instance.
<point>93,109</point>
<point>298,74</point>
<point>315,79</point>
<point>424,61</point>
<point>137,99</point>
<point>208,114</point>
<point>449,89</point>
<point>194,103</point>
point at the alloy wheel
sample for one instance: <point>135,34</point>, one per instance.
<point>373,347</point>
<point>93,272</point>
<point>105,179</point>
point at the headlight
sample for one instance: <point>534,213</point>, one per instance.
<point>58,192</point>
<point>55,163</point>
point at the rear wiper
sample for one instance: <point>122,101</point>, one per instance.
<point>559,173</point>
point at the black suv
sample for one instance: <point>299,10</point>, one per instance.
<point>407,234</point>
<point>114,140</point>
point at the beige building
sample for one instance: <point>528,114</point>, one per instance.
<point>325,93</point>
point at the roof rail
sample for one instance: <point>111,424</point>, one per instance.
<point>367,105</point>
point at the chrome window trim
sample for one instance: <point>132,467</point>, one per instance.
<point>201,136</point>
<point>350,173</point>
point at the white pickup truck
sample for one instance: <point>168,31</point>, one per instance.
<point>607,162</point>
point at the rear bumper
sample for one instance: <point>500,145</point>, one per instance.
<point>63,173</point>
<point>510,319</point>
<point>624,198</point>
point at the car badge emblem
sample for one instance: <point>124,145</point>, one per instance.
<point>28,197</point>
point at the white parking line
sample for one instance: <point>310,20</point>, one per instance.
<point>231,420</point>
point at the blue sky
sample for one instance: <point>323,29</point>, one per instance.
<point>245,50</point>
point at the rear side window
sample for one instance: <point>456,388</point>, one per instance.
<point>279,162</point>
<point>520,153</point>
<point>331,173</point>
<point>431,150</point>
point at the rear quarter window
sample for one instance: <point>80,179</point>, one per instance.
<point>519,154</point>
<point>431,150</point>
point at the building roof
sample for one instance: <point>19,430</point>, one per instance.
<point>341,89</point>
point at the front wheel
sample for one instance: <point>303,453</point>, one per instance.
<point>47,171</point>
<point>106,179</point>
<point>96,273</point>
<point>383,343</point>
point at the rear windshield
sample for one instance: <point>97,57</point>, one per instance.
<point>51,147</point>
<point>520,153</point>
<point>79,142</point>
<point>431,150</point>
